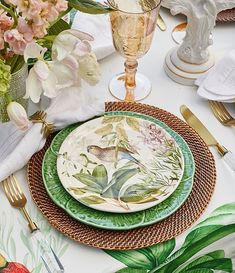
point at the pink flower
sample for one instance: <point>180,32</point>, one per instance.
<point>61,5</point>
<point>19,37</point>
<point>25,29</point>
<point>40,30</point>
<point>49,12</point>
<point>12,2</point>
<point>31,8</point>
<point>6,22</point>
<point>17,115</point>
<point>15,40</point>
<point>1,39</point>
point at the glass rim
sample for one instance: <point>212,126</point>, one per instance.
<point>128,12</point>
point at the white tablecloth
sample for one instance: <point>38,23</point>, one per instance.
<point>166,94</point>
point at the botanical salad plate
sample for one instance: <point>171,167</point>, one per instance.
<point>108,220</point>
<point>121,163</point>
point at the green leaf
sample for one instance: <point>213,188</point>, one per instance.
<point>101,175</point>
<point>219,254</point>
<point>104,130</point>
<point>163,250</point>
<point>88,180</point>
<point>89,6</point>
<point>133,123</point>
<point>224,264</point>
<point>131,270</point>
<point>13,248</point>
<point>92,200</point>
<point>198,234</point>
<point>58,27</point>
<point>197,246</point>
<point>132,258</point>
<point>118,180</point>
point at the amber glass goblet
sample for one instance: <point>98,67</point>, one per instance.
<point>133,23</point>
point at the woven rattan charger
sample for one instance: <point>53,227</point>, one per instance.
<point>182,219</point>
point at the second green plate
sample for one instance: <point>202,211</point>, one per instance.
<point>113,221</point>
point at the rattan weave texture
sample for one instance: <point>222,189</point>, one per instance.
<point>182,219</point>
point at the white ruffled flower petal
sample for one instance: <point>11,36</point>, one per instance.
<point>64,74</point>
<point>33,86</point>
<point>81,49</point>
<point>18,115</point>
<point>34,50</point>
<point>67,41</point>
<point>49,86</point>
<point>41,69</point>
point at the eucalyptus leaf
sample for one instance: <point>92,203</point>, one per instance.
<point>133,123</point>
<point>92,200</point>
<point>89,6</point>
<point>131,270</point>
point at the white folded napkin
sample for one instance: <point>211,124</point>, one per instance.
<point>17,147</point>
<point>97,25</point>
<point>71,106</point>
<point>219,83</point>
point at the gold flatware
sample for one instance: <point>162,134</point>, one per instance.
<point>17,199</point>
<point>161,23</point>
<point>221,113</point>
<point>209,139</point>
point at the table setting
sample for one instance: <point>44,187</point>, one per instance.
<point>116,145</point>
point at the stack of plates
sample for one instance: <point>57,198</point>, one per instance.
<point>121,171</point>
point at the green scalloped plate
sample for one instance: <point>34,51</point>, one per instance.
<point>108,220</point>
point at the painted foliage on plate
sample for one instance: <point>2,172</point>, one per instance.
<point>120,163</point>
<point>203,249</point>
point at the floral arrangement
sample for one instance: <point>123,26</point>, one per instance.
<point>33,32</point>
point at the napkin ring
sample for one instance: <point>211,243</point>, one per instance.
<point>40,117</point>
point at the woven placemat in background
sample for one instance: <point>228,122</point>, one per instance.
<point>174,225</point>
<point>226,16</point>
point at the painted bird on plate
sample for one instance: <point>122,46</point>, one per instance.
<point>112,154</point>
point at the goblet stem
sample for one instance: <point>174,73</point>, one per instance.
<point>130,84</point>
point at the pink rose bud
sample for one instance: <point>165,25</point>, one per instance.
<point>18,115</point>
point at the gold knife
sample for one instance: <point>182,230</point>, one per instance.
<point>161,24</point>
<point>204,133</point>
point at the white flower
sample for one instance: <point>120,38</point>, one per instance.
<point>18,115</point>
<point>48,77</point>
<point>89,69</point>
<point>71,42</point>
<point>74,44</point>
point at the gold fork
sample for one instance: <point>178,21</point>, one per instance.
<point>17,199</point>
<point>221,113</point>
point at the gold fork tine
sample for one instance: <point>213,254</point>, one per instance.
<point>221,113</point>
